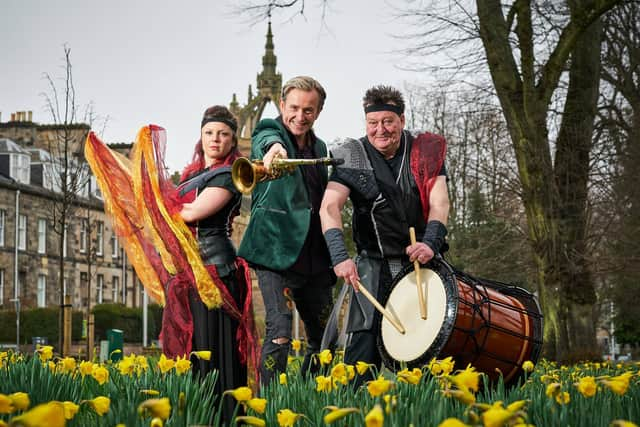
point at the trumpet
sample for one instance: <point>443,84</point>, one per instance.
<point>247,173</point>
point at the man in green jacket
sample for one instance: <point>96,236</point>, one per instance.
<point>283,241</point>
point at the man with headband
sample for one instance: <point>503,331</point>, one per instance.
<point>395,179</point>
<point>283,241</point>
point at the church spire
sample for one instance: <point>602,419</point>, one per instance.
<point>269,59</point>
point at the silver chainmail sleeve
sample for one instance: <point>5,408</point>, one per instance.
<point>356,172</point>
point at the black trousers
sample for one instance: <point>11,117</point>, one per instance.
<point>312,296</point>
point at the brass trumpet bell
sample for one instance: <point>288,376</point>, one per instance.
<point>247,173</point>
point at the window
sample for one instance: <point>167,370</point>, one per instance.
<point>114,245</point>
<point>100,287</point>
<point>22,232</point>
<point>84,280</point>
<point>3,216</point>
<point>84,228</point>
<point>99,237</point>
<point>42,290</point>
<point>20,168</point>
<point>1,286</point>
<point>115,286</point>
<point>42,236</point>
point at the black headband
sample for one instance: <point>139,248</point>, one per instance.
<point>207,119</point>
<point>372,108</point>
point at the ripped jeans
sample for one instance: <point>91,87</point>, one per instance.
<point>312,296</point>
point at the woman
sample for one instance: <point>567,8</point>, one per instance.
<point>216,203</point>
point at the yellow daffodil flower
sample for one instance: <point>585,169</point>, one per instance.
<point>150,392</point>
<point>157,408</point>
<point>296,345</point>
<point>462,394</point>
<point>68,365</point>
<point>127,366</point>
<point>45,352</point>
<point>100,374</point>
<point>287,418</point>
<point>619,384</point>
<point>351,372</point>
<point>52,366</point>
<point>469,379</point>
<point>202,354</point>
<point>563,398</point>
<point>411,377</point>
<point>496,417</point>
<point>325,357</point>
<point>241,394</point>
<point>390,403</point>
<point>70,409</point>
<point>452,422</point>
<point>20,401</point>
<point>6,405</point>
<point>165,364</point>
<point>379,386</point>
<point>100,404</point>
<point>587,386</point>
<point>338,413</point>
<point>362,367</point>
<point>553,389</point>
<point>375,417</point>
<point>49,414</point>
<point>251,421</point>
<point>324,383</point>
<point>517,405</point>
<point>622,423</point>
<point>156,422</point>
<point>528,366</point>
<point>86,368</point>
<point>257,404</point>
<point>283,378</point>
<point>141,364</point>
<point>182,365</point>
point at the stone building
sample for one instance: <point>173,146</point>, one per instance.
<point>95,266</point>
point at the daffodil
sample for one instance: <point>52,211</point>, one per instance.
<point>252,421</point>
<point>6,405</point>
<point>375,417</point>
<point>619,384</point>
<point>563,398</point>
<point>338,413</point>
<point>156,422</point>
<point>528,366</point>
<point>390,403</point>
<point>202,354</point>
<point>182,365</point>
<point>45,352</point>
<point>127,365</point>
<point>324,383</point>
<point>70,409</point>
<point>165,364</point>
<point>325,357</point>
<point>257,404</point>
<point>150,392</point>
<point>441,367</point>
<point>496,417</point>
<point>287,418</point>
<point>100,374</point>
<point>157,408</point>
<point>86,368</point>
<point>411,377</point>
<point>141,364</point>
<point>362,367</point>
<point>99,404</point>
<point>462,394</point>
<point>452,422</point>
<point>49,414</point>
<point>587,386</point>
<point>622,423</point>
<point>296,345</point>
<point>241,394</point>
<point>517,405</point>
<point>283,378</point>
<point>20,400</point>
<point>553,389</point>
<point>68,365</point>
<point>468,379</point>
<point>379,386</point>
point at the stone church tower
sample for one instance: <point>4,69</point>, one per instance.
<point>269,84</point>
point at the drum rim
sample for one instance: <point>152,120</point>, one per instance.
<point>442,269</point>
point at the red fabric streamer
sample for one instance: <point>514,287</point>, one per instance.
<point>427,157</point>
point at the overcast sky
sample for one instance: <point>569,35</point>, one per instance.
<point>158,62</point>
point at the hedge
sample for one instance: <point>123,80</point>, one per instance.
<point>43,322</point>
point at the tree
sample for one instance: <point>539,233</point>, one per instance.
<point>70,173</point>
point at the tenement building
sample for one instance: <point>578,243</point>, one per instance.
<point>46,225</point>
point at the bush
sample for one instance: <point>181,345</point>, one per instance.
<point>128,320</point>
<point>37,322</point>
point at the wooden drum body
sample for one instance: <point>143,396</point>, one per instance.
<point>493,326</point>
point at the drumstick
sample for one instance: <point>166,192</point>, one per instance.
<point>416,266</point>
<point>386,313</point>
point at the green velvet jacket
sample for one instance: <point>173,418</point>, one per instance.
<point>280,208</point>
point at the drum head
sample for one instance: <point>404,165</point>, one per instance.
<point>423,338</point>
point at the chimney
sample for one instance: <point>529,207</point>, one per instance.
<point>20,115</point>
<point>29,116</point>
